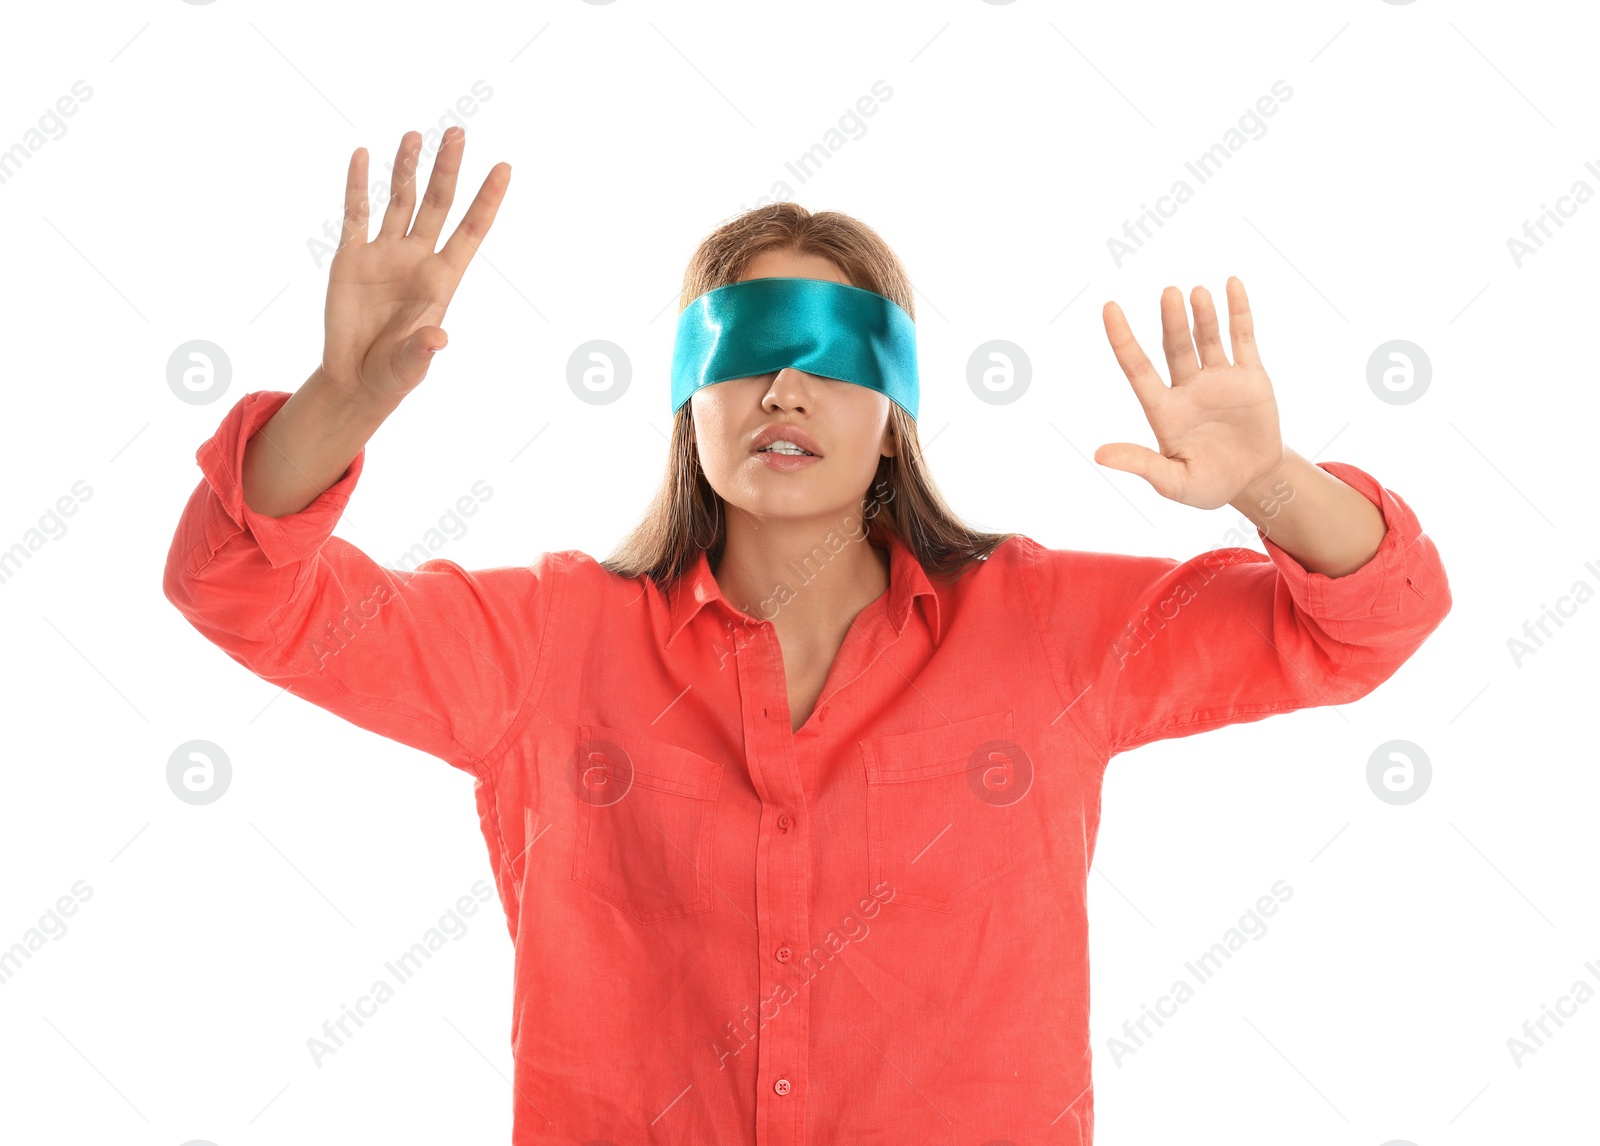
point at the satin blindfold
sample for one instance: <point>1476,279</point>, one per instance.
<point>824,328</point>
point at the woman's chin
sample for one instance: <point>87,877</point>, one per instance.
<point>792,506</point>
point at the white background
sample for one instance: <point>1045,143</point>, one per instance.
<point>1018,138</point>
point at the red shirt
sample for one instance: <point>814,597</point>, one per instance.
<point>872,929</point>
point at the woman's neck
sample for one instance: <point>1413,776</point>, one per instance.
<point>809,579</point>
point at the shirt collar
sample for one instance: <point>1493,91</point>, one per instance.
<point>697,588</point>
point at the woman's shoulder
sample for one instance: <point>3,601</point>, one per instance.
<point>580,569</point>
<point>1088,563</point>
<point>1082,576</point>
<point>585,584</point>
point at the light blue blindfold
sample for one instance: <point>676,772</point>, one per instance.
<point>757,327</point>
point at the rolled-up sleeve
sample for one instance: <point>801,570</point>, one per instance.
<point>439,658</point>
<point>1167,648</point>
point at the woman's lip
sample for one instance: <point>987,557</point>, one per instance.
<point>768,450</point>
<point>778,432</point>
<point>787,461</point>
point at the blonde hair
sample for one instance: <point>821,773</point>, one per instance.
<point>687,515</point>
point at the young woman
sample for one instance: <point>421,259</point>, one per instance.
<point>791,801</point>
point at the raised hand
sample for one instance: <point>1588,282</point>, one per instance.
<point>1216,426</point>
<point>387,295</point>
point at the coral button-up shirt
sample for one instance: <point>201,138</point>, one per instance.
<point>872,929</point>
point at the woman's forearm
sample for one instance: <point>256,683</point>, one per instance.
<point>1317,519</point>
<point>307,446</point>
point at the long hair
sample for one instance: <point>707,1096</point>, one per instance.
<point>687,515</point>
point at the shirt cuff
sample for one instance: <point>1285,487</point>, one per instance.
<point>284,540</point>
<point>1400,566</point>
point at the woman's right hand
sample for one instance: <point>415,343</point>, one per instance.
<point>387,296</point>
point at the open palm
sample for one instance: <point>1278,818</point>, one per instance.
<point>388,294</point>
<point>1216,426</point>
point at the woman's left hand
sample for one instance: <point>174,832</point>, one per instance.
<point>1217,424</point>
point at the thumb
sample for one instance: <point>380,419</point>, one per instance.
<point>411,357</point>
<point>1159,470</point>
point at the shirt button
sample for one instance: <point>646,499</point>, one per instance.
<point>781,1086</point>
<point>784,821</point>
<point>783,954</point>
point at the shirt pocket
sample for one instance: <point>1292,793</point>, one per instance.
<point>942,809</point>
<point>644,828</point>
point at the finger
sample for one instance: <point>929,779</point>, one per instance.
<point>403,195</point>
<point>441,188</point>
<point>1160,471</point>
<point>475,224</point>
<point>1175,340</point>
<point>355,200</point>
<point>1241,327</point>
<point>1147,384</point>
<point>1207,334</point>
<point>411,359</point>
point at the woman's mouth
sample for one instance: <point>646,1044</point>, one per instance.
<point>786,456</point>
<point>785,441</point>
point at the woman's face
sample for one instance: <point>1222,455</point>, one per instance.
<point>848,424</point>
